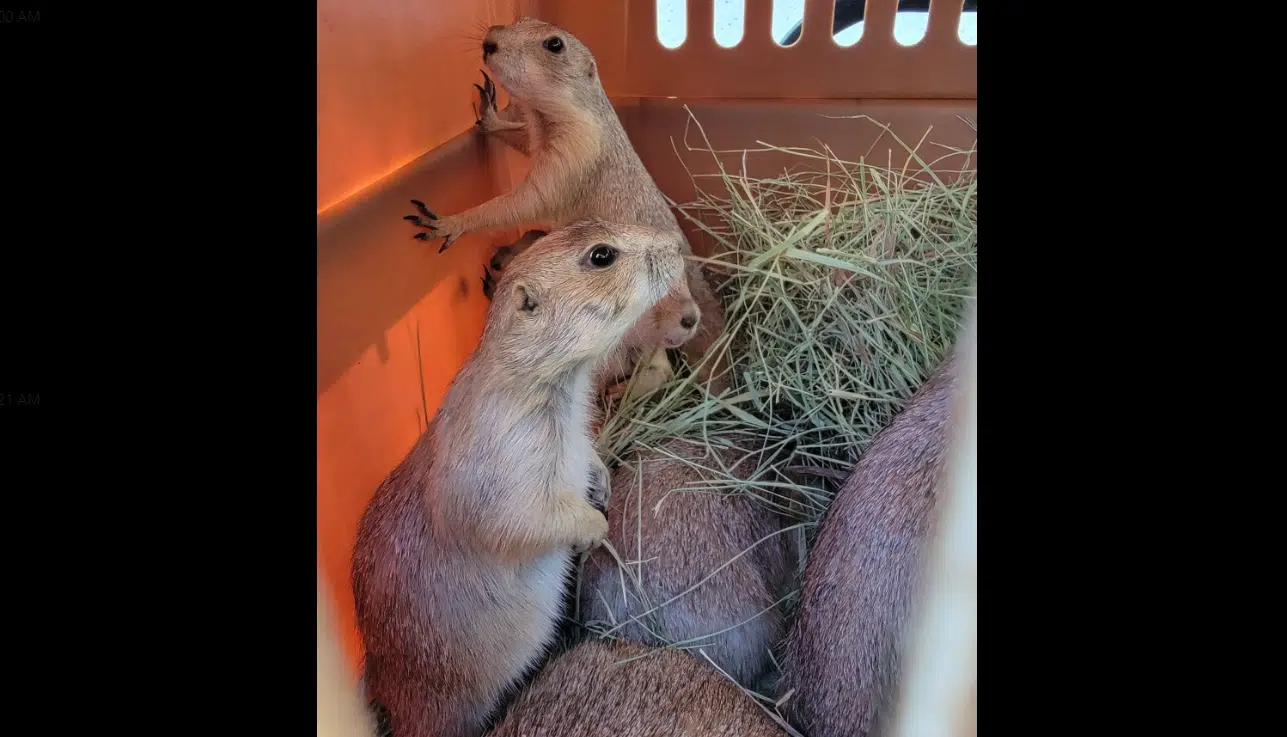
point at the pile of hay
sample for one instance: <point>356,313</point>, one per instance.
<point>844,285</point>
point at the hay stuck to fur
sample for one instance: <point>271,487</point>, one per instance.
<point>844,285</point>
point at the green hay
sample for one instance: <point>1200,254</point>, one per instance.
<point>844,284</point>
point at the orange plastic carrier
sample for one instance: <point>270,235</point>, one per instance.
<point>396,319</point>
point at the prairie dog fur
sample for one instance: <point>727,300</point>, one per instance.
<point>582,165</point>
<point>660,513</point>
<point>863,577</point>
<point>590,692</point>
<point>463,553</point>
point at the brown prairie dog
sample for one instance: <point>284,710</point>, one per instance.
<point>842,657</point>
<point>660,513</point>
<point>462,554</point>
<point>582,165</point>
<point>590,692</point>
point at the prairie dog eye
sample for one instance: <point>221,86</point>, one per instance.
<point>553,44</point>
<point>602,256</point>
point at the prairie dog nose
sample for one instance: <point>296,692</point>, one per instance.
<point>489,48</point>
<point>688,320</point>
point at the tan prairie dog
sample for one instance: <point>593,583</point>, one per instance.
<point>659,512</point>
<point>861,583</point>
<point>582,165</point>
<point>603,689</point>
<point>462,556</point>
<point>661,329</point>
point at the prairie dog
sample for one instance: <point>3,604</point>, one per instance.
<point>590,692</point>
<point>463,553</point>
<point>660,513</point>
<point>583,165</point>
<point>842,657</point>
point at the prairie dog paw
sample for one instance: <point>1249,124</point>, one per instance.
<point>501,258</point>
<point>647,379</point>
<point>504,254</point>
<point>437,227</point>
<point>486,98</point>
<point>593,530</point>
<point>600,485</point>
<point>489,119</point>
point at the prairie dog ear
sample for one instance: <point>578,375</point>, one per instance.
<point>525,298</point>
<point>592,70</point>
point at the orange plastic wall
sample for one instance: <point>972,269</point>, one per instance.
<point>392,84</point>
<point>396,320</point>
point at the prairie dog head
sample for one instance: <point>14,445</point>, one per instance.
<point>672,322</point>
<point>540,63</point>
<point>572,296</point>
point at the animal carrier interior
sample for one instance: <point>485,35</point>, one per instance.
<point>395,120</point>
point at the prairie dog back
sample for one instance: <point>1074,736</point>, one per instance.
<point>660,513</point>
<point>601,689</point>
<point>462,554</point>
<point>842,657</point>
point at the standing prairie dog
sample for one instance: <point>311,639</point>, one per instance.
<point>660,513</point>
<point>601,689</point>
<point>583,165</point>
<point>462,554</point>
<point>842,657</point>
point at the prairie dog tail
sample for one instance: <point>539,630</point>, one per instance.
<point>601,689</point>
